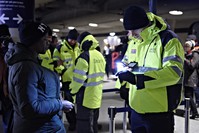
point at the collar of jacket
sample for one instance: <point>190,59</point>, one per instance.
<point>65,42</point>
<point>157,25</point>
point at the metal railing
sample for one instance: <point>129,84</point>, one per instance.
<point>112,111</point>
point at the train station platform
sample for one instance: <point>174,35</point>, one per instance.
<point>112,98</point>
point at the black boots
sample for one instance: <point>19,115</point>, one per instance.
<point>194,116</point>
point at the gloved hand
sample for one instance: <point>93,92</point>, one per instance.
<point>67,106</point>
<point>127,76</point>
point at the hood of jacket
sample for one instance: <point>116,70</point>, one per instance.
<point>157,24</point>
<point>19,52</point>
<point>89,42</point>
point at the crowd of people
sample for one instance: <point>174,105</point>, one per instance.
<point>33,100</point>
<point>40,78</point>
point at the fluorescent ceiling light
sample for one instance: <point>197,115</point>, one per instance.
<point>112,33</point>
<point>175,12</point>
<point>93,24</point>
<point>56,30</point>
<point>71,27</point>
<point>121,20</point>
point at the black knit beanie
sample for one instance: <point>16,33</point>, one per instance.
<point>30,32</point>
<point>135,18</point>
<point>73,34</point>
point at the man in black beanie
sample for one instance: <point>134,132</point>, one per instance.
<point>156,80</point>
<point>34,90</point>
<point>67,52</point>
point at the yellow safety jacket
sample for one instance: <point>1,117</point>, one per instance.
<point>68,55</point>
<point>159,70</point>
<point>89,74</point>
<point>47,60</point>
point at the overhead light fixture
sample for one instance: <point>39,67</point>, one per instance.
<point>93,24</point>
<point>56,30</point>
<point>112,34</point>
<point>175,12</point>
<point>121,20</point>
<point>71,27</point>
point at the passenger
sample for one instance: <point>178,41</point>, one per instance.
<point>107,56</point>
<point>194,38</point>
<point>196,72</point>
<point>191,60</point>
<point>155,89</point>
<point>34,90</point>
<point>87,83</point>
<point>6,104</point>
<point>67,52</point>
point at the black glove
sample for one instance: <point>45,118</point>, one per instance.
<point>127,76</point>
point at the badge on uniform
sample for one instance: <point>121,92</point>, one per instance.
<point>133,51</point>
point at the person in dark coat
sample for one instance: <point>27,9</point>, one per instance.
<point>190,70</point>
<point>34,90</point>
<point>6,104</point>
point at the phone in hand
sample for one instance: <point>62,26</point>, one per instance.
<point>132,64</point>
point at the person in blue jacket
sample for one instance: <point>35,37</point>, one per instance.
<point>34,90</point>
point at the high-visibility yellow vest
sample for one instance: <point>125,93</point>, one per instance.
<point>47,60</point>
<point>68,55</point>
<point>89,74</point>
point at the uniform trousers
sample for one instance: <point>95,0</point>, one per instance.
<point>152,122</point>
<point>87,119</point>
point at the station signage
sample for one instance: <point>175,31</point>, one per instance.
<point>12,12</point>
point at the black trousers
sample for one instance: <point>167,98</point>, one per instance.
<point>189,92</point>
<point>87,119</point>
<point>70,116</point>
<point>152,122</point>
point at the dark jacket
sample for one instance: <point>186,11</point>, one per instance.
<point>191,67</point>
<point>188,69</point>
<point>34,92</point>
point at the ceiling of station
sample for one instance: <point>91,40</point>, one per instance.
<point>60,14</point>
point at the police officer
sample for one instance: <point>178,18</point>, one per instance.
<point>46,59</point>
<point>87,83</point>
<point>155,89</point>
<point>67,52</point>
